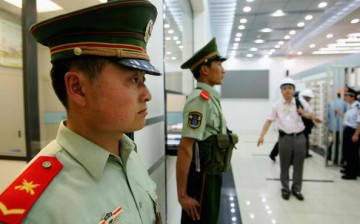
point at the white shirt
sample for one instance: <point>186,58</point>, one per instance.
<point>352,115</point>
<point>286,116</point>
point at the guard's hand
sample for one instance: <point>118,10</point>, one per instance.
<point>355,138</point>
<point>260,141</point>
<point>191,207</point>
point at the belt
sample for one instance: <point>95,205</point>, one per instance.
<point>282,133</point>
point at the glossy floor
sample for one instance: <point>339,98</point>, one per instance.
<point>328,198</point>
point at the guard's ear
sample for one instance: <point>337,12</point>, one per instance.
<point>74,87</point>
<point>204,70</point>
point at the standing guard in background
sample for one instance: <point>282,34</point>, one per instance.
<point>351,133</point>
<point>92,172</point>
<point>292,141</point>
<point>206,145</point>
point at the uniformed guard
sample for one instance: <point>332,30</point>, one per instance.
<point>199,166</point>
<point>351,133</point>
<point>287,114</point>
<point>92,173</point>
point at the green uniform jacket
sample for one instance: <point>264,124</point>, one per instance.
<point>94,182</point>
<point>203,117</point>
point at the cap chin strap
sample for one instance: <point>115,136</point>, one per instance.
<point>108,52</point>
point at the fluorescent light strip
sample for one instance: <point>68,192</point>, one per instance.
<point>340,49</point>
<point>41,6</point>
<point>336,52</point>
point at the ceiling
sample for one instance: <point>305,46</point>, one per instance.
<point>325,30</point>
<point>333,19</point>
<point>225,16</point>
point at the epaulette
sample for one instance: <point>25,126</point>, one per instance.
<point>205,95</point>
<point>17,200</point>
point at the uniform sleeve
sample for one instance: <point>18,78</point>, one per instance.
<point>273,114</point>
<point>195,115</point>
<point>358,114</point>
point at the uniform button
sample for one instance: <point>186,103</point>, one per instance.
<point>140,204</point>
<point>77,51</point>
<point>46,164</point>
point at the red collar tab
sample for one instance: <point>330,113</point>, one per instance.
<point>17,200</point>
<point>205,95</point>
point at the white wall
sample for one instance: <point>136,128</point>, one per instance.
<point>249,115</point>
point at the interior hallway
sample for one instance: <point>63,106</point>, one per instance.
<point>328,198</point>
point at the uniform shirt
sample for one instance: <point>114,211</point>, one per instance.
<point>352,115</point>
<point>286,116</point>
<point>337,104</point>
<point>203,118</point>
<point>94,182</point>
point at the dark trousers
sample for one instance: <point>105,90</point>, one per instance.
<point>206,189</point>
<point>292,151</point>
<point>275,151</point>
<point>306,134</point>
<point>351,152</point>
<point>336,156</point>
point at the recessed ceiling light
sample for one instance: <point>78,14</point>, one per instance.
<point>308,17</point>
<point>249,55</point>
<point>301,24</point>
<point>168,52</point>
<point>253,49</point>
<point>238,34</point>
<point>287,37</point>
<point>259,41</point>
<point>249,0</point>
<point>272,50</point>
<point>312,45</point>
<point>235,48</point>
<point>178,42</point>
<point>292,32</point>
<point>173,58</point>
<point>237,39</point>
<point>299,53</point>
<point>167,38</point>
<point>355,21</point>
<point>241,27</point>
<point>236,44</point>
<point>322,4</point>
<point>277,46</point>
<point>353,35</point>
<point>166,25</point>
<point>181,47</point>
<point>281,42</point>
<point>243,20</point>
<point>41,6</point>
<point>175,38</point>
<point>247,9</point>
<point>329,36</point>
<point>170,31</point>
<point>278,13</point>
<point>266,30</point>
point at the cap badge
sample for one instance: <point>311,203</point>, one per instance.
<point>148,31</point>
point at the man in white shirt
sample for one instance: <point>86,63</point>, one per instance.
<point>292,142</point>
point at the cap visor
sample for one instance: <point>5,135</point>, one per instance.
<point>140,65</point>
